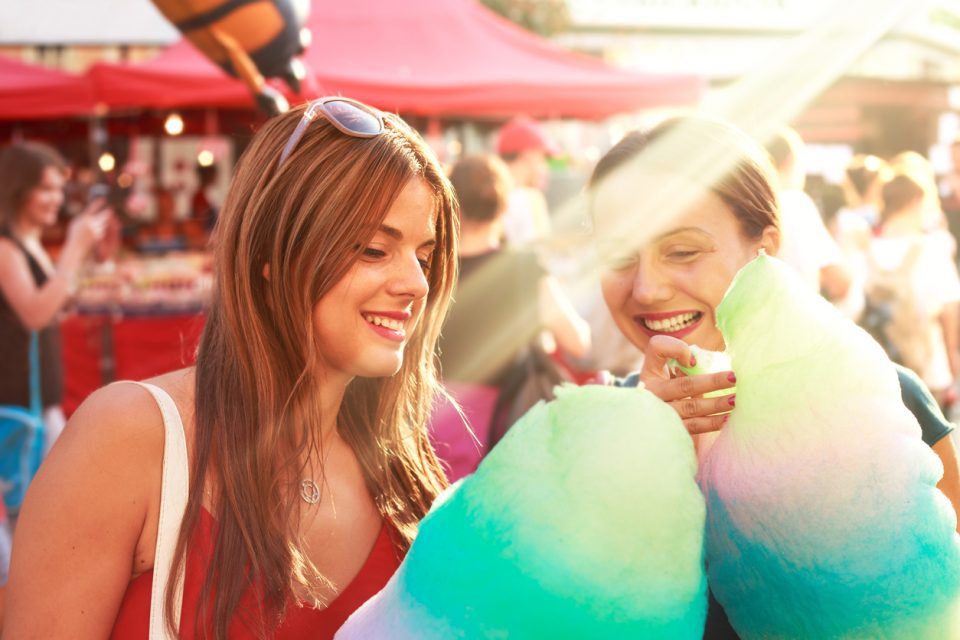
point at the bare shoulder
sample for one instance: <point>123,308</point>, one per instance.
<point>10,256</point>
<point>121,426</point>
<point>86,517</point>
<point>109,456</point>
<point>117,415</point>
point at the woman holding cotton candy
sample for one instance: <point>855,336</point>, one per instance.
<point>663,295</point>
<point>663,290</point>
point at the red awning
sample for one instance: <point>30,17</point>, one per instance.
<point>181,76</point>
<point>431,57</point>
<point>30,92</point>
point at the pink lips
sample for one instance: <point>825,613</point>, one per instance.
<point>639,319</point>
<point>389,334</point>
<point>403,316</point>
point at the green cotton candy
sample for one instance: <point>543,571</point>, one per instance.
<point>706,362</point>
<point>823,516</point>
<point>584,522</point>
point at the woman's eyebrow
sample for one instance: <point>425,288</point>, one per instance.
<point>396,234</point>
<point>673,232</point>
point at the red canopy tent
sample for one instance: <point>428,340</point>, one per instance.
<point>431,57</point>
<point>31,92</point>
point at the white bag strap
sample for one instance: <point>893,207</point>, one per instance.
<point>173,503</point>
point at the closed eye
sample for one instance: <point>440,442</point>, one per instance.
<point>370,252</point>
<point>621,263</point>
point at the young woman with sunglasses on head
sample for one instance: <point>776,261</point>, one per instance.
<point>304,417</point>
<point>663,293</point>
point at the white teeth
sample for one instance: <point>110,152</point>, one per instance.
<point>671,325</point>
<point>388,323</point>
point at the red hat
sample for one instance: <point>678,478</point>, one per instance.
<point>523,134</point>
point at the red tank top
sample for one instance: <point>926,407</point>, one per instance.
<point>300,622</point>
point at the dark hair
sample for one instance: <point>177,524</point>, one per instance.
<point>862,171</point>
<point>21,170</point>
<point>782,146</point>
<point>899,192</point>
<point>747,187</point>
<point>206,173</point>
<point>482,185</point>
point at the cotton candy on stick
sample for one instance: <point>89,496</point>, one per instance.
<point>584,522</point>
<point>823,516</point>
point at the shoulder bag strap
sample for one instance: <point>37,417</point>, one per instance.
<point>36,403</point>
<point>173,503</point>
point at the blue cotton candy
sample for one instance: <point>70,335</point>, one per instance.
<point>823,516</point>
<point>584,522</point>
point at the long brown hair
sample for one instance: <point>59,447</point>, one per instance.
<point>258,366</point>
<point>21,170</point>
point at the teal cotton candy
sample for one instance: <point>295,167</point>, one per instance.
<point>823,516</point>
<point>584,522</point>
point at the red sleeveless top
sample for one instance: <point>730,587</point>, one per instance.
<point>133,618</point>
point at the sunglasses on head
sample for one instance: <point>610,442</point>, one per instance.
<point>349,116</point>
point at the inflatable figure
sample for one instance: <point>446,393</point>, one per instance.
<point>823,517</point>
<point>249,39</point>
<point>584,522</point>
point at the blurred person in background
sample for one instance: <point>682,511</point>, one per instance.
<point>34,288</point>
<point>949,186</point>
<point>913,277</point>
<point>203,205</point>
<point>524,146</point>
<point>806,244</point>
<point>862,195</point>
<point>503,303</point>
<point>853,225</point>
<point>921,170</point>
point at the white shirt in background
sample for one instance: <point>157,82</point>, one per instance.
<point>934,283</point>
<point>805,242</point>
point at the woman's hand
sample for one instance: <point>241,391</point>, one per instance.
<point>88,228</point>
<point>685,393</point>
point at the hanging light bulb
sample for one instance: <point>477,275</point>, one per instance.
<point>173,125</point>
<point>205,158</point>
<point>106,162</point>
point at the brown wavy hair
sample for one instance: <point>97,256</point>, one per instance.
<point>258,366</point>
<point>693,144</point>
<point>21,171</point>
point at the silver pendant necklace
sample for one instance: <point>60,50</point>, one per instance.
<point>309,491</point>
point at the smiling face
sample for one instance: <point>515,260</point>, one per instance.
<point>364,322</point>
<point>672,285</point>
<point>43,202</point>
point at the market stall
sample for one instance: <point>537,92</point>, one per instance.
<point>134,319</point>
<point>432,58</point>
<point>29,92</point>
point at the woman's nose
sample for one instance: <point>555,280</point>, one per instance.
<point>409,279</point>
<point>649,283</point>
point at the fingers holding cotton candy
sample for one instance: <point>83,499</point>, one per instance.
<point>823,516</point>
<point>672,372</point>
<point>585,521</point>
